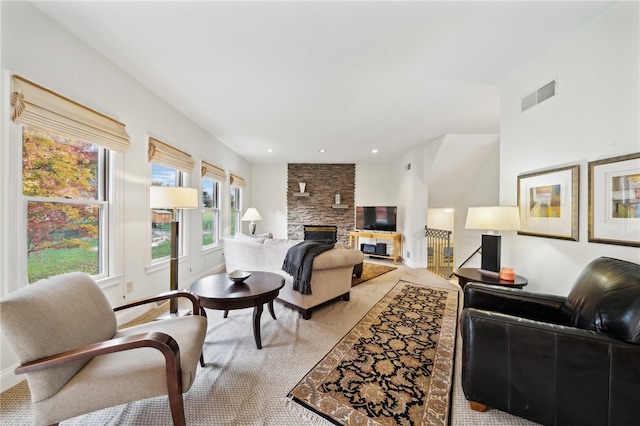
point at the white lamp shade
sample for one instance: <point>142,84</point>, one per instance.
<point>495,218</point>
<point>173,197</point>
<point>251,215</point>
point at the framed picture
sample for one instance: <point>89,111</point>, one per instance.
<point>548,203</point>
<point>614,200</point>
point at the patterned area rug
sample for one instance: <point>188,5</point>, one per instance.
<point>369,271</point>
<point>395,367</point>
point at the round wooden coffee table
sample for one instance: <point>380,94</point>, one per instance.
<point>219,292</point>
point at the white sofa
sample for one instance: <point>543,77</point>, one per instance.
<point>330,278</point>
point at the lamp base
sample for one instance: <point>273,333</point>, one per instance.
<point>169,315</point>
<point>252,228</point>
<point>490,254</point>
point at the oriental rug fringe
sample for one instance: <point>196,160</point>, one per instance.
<point>395,367</point>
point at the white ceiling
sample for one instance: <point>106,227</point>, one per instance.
<point>348,77</point>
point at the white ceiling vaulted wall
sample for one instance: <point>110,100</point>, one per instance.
<point>344,76</point>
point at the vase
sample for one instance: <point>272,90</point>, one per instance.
<point>302,186</point>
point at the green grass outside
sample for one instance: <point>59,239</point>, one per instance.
<point>59,261</point>
<point>161,250</point>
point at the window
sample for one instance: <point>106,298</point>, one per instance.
<point>237,184</point>
<point>236,198</point>
<point>169,167</point>
<point>64,187</point>
<point>161,218</point>
<point>212,178</point>
<point>68,152</point>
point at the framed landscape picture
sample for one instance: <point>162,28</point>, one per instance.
<point>614,200</point>
<point>548,203</point>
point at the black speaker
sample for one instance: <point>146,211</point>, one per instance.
<point>368,248</point>
<point>381,248</point>
<point>490,253</point>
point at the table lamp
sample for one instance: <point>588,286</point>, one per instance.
<point>495,218</point>
<point>174,198</point>
<point>252,216</point>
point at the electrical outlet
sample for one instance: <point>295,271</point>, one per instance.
<point>129,286</point>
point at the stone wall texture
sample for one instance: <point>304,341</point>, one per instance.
<point>323,182</point>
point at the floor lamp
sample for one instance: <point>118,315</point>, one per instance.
<point>495,218</point>
<point>174,198</point>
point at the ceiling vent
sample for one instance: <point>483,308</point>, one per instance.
<point>542,94</point>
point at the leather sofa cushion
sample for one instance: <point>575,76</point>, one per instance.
<point>606,299</point>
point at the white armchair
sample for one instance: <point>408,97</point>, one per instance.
<point>64,333</point>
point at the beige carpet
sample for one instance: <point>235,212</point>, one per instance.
<point>243,386</point>
<point>371,270</point>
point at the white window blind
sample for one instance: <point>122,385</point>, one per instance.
<point>237,181</point>
<point>166,155</point>
<point>36,106</point>
<point>213,172</point>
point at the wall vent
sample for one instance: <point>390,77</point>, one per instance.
<point>542,94</point>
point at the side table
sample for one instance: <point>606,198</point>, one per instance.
<point>467,275</point>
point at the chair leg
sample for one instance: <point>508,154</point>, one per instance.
<point>476,406</point>
<point>177,409</point>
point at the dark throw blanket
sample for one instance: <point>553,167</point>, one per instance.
<point>299,262</point>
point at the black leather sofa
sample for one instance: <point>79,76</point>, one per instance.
<point>555,360</point>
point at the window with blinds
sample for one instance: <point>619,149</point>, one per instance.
<point>169,167</point>
<point>66,172</point>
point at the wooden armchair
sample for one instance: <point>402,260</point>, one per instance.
<point>64,333</point>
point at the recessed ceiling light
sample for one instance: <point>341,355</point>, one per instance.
<point>375,151</point>
<point>269,150</point>
<point>322,150</point>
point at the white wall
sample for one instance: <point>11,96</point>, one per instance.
<point>37,48</point>
<point>372,185</point>
<point>269,196</point>
<point>442,219</point>
<point>594,116</point>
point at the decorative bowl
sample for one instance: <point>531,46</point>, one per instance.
<point>238,276</point>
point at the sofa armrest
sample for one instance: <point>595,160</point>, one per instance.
<point>512,301</point>
<point>338,258</point>
<point>469,315</point>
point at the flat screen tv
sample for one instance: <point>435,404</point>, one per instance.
<point>376,218</point>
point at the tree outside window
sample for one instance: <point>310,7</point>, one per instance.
<point>64,187</point>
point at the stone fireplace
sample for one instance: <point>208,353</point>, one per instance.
<point>328,198</point>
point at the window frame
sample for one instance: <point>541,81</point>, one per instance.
<point>108,133</point>
<point>235,212</point>
<point>110,232</point>
<point>216,211</point>
<point>182,178</point>
<point>101,202</point>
